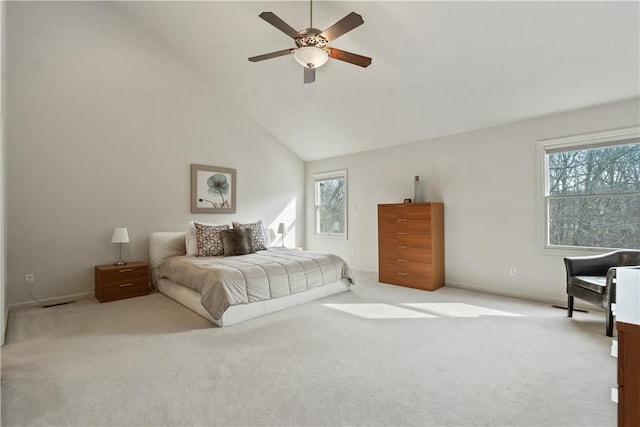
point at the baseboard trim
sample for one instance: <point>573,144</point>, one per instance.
<point>48,301</point>
<point>550,300</point>
<point>542,299</point>
<point>364,271</point>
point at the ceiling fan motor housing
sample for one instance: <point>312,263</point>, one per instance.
<point>311,37</point>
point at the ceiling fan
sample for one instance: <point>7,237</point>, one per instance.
<point>312,50</point>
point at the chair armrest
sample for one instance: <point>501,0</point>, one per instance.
<point>610,288</point>
<point>594,265</point>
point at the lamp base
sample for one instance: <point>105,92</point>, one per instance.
<point>120,261</point>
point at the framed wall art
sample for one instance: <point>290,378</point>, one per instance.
<point>213,189</point>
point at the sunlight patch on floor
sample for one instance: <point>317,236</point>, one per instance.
<point>458,309</point>
<point>418,310</point>
<point>380,311</point>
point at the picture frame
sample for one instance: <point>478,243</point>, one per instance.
<point>213,189</point>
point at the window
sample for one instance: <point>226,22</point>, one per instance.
<point>331,203</point>
<point>592,190</point>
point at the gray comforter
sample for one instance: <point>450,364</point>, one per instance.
<point>276,272</point>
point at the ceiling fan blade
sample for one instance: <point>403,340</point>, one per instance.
<point>309,75</point>
<point>273,19</point>
<point>349,57</point>
<point>344,25</point>
<point>271,55</point>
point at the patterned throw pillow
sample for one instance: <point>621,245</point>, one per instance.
<point>258,240</point>
<point>237,241</point>
<point>209,240</point>
<point>191,240</point>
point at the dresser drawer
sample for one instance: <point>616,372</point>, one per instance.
<point>403,212</point>
<point>404,267</point>
<point>410,280</point>
<point>409,226</point>
<point>414,240</point>
<point>406,253</point>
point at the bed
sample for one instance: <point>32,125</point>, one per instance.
<point>231,289</point>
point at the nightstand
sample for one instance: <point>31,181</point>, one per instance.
<point>114,282</point>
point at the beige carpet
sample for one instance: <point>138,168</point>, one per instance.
<point>379,355</point>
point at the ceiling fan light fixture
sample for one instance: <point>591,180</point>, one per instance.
<point>311,56</point>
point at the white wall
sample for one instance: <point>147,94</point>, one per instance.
<point>4,308</point>
<point>103,123</point>
<point>487,180</point>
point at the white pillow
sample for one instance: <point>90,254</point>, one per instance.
<point>190,239</point>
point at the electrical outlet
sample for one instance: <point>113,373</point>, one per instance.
<point>29,279</point>
<point>512,271</point>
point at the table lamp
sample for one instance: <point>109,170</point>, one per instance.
<point>282,230</point>
<point>120,236</point>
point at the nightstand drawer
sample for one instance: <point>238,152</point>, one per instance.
<point>114,282</point>
<point>125,291</point>
<point>122,276</point>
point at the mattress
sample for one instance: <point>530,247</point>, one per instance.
<point>225,281</point>
<point>226,290</point>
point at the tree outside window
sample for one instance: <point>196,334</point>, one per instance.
<point>331,203</point>
<point>593,194</point>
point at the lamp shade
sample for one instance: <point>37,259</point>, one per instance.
<point>281,228</point>
<point>311,56</point>
<point>120,235</point>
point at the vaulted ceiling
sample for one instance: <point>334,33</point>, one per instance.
<point>439,68</point>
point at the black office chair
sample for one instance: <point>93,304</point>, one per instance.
<point>592,278</point>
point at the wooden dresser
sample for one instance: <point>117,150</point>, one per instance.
<point>628,325</point>
<point>628,374</point>
<point>411,245</point>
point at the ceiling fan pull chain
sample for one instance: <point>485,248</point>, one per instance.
<point>310,13</point>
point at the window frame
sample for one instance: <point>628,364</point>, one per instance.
<point>570,143</point>
<point>326,176</point>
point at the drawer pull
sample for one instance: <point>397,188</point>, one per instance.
<point>402,247</point>
<point>126,285</point>
<point>400,232</point>
<point>125,271</point>
<point>403,274</point>
<point>402,260</point>
<point>401,219</point>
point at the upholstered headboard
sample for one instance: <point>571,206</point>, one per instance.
<point>162,245</point>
